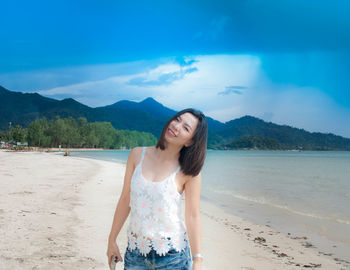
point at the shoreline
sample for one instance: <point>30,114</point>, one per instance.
<point>321,245</point>
<point>56,149</point>
<point>77,197</point>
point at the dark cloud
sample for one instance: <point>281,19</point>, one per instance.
<point>328,71</point>
<point>218,25</point>
<point>98,32</point>
<point>259,26</point>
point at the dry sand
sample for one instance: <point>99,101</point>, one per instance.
<point>56,213</point>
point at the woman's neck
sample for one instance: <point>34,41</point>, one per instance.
<point>170,153</point>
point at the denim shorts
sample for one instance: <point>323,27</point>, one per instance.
<point>176,260</point>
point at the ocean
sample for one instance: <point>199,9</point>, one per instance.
<point>304,193</point>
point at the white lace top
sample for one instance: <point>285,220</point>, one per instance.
<point>155,216</point>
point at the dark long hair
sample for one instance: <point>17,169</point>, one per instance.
<point>192,157</point>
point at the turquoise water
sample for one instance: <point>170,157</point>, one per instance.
<point>303,193</point>
<point>312,184</point>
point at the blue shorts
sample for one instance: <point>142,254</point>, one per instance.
<point>175,260</point>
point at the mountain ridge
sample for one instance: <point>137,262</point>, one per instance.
<point>150,116</point>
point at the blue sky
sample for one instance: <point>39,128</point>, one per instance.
<point>287,62</point>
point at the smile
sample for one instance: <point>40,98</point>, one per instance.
<point>171,132</point>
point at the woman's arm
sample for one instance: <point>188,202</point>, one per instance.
<point>193,220</point>
<point>122,211</point>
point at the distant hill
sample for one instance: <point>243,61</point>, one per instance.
<point>288,137</point>
<point>148,105</point>
<point>23,108</point>
<point>253,142</point>
<point>150,116</point>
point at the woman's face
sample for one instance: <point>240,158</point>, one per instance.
<point>181,130</point>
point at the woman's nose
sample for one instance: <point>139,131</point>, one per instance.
<point>176,126</point>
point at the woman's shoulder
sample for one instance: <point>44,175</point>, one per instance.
<point>138,149</point>
<point>136,152</point>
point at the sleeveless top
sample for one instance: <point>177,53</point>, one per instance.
<point>156,220</point>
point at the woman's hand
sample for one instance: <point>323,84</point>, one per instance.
<point>197,264</point>
<point>113,249</point>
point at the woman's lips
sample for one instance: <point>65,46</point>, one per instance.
<point>171,133</point>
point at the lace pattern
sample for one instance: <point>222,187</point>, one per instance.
<point>155,216</point>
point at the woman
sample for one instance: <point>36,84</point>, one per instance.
<point>158,235</point>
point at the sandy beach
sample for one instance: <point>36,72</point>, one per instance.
<point>56,213</point>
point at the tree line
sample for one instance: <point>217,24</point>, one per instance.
<point>76,133</point>
<point>254,142</point>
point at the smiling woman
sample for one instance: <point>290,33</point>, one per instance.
<point>190,133</point>
<point>158,234</point>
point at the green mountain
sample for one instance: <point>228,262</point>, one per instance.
<point>288,137</point>
<point>150,116</point>
<point>147,115</point>
<point>23,108</point>
<point>253,142</point>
